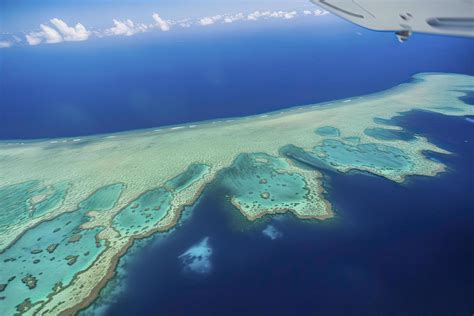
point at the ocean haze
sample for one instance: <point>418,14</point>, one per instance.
<point>165,78</point>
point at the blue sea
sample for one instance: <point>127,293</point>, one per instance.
<point>165,78</point>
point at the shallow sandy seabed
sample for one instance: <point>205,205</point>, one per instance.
<point>152,174</point>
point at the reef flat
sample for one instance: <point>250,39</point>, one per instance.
<point>72,207</point>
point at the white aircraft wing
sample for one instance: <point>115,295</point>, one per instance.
<point>445,17</point>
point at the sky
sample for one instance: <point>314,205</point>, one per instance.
<point>32,22</point>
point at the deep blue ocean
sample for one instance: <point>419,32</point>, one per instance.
<point>391,249</point>
<point>159,78</point>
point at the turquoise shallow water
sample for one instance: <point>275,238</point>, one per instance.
<point>257,181</point>
<point>333,154</point>
<point>328,131</point>
<point>49,255</point>
<point>187,178</point>
<point>387,134</point>
<point>143,213</point>
<point>17,203</point>
<point>150,207</point>
<point>377,156</point>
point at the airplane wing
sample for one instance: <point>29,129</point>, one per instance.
<point>444,17</point>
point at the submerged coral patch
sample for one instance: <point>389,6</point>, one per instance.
<point>272,232</point>
<point>104,199</point>
<point>305,157</point>
<point>187,178</point>
<point>15,202</point>
<point>352,139</point>
<point>338,156</point>
<point>28,200</point>
<point>388,134</point>
<point>382,121</point>
<point>328,131</point>
<point>260,184</point>
<point>370,157</point>
<point>197,259</point>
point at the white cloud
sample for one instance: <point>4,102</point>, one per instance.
<point>50,35</point>
<point>5,44</point>
<point>34,38</point>
<point>290,15</point>
<point>258,14</point>
<point>185,23</point>
<point>320,12</point>
<point>252,17</point>
<point>47,34</point>
<point>234,17</point>
<point>206,21</point>
<point>61,32</point>
<point>162,24</point>
<point>127,28</point>
<point>76,33</point>
<point>277,14</point>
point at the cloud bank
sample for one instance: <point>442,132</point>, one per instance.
<point>126,28</point>
<point>5,44</point>
<point>206,21</point>
<point>58,31</point>
<point>76,33</point>
<point>162,24</point>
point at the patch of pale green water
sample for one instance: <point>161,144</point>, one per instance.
<point>143,213</point>
<point>149,208</point>
<point>106,198</point>
<point>450,109</point>
<point>258,181</point>
<point>48,256</point>
<point>388,134</point>
<point>22,201</point>
<point>370,156</point>
<point>352,139</point>
<point>328,131</point>
<point>52,201</point>
<point>336,156</point>
<point>194,173</point>
<point>382,121</point>
<point>14,202</point>
<point>305,157</point>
